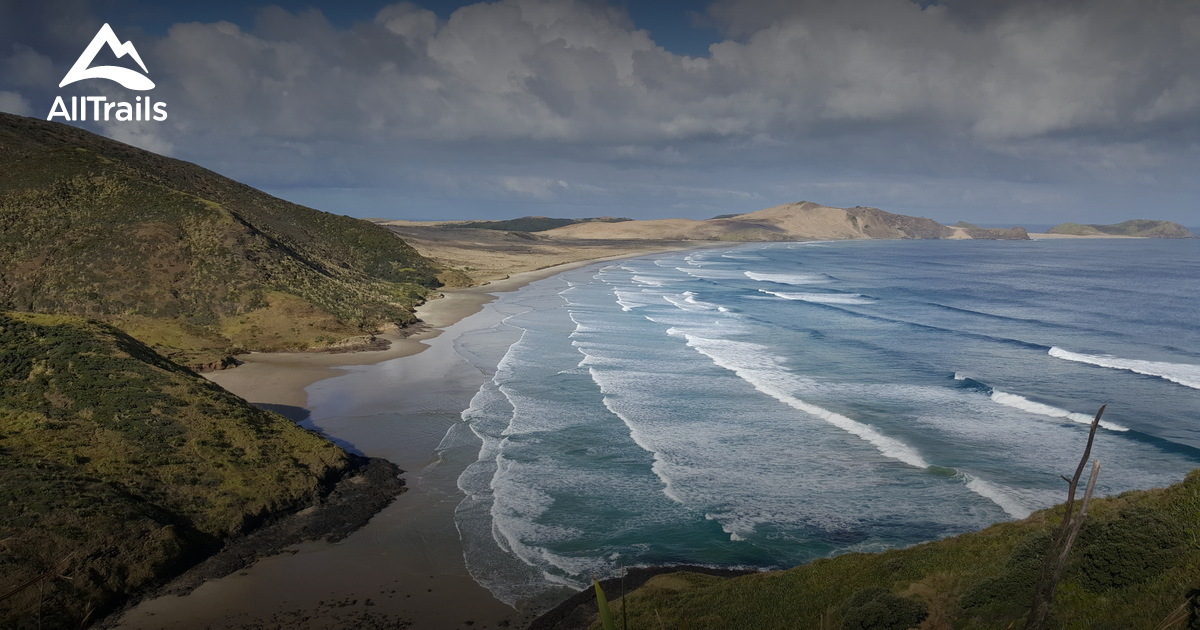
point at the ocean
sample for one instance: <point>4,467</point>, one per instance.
<point>764,405</point>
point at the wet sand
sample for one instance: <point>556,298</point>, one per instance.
<point>404,569</point>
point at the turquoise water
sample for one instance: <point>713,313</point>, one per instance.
<point>768,404</point>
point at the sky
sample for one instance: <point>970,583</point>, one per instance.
<point>1006,112</point>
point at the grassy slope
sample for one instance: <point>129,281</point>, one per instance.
<point>118,466</point>
<point>1074,229</point>
<point>1136,227</point>
<point>1135,562</point>
<point>194,263</point>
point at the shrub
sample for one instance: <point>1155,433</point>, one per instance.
<point>876,608</point>
<point>1125,551</point>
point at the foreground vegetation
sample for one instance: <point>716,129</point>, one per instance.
<point>193,263</point>
<point>119,468</point>
<point>1136,564</point>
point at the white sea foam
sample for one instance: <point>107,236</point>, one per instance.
<point>822,298</point>
<point>579,326</point>
<point>515,505</point>
<point>626,300</point>
<point>1024,404</point>
<point>756,365</point>
<point>629,300</point>
<point>713,274</point>
<point>722,326</point>
<point>690,298</point>
<point>517,491</point>
<point>651,281</point>
<point>1000,495</point>
<point>1017,401</point>
<point>737,530</point>
<point>687,302</point>
<point>658,467</point>
<point>680,303</point>
<point>788,278</point>
<point>498,488</point>
<point>1186,374</point>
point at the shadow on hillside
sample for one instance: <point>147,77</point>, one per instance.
<point>291,412</point>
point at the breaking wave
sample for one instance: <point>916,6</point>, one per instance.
<point>1185,374</point>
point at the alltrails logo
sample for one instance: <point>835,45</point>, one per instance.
<point>100,108</point>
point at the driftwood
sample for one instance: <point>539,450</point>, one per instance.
<point>1068,531</point>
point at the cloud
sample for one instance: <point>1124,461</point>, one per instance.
<point>572,71</point>
<point>536,187</point>
<point>528,95</point>
<point>144,135</point>
<point>14,103</point>
<point>25,67</point>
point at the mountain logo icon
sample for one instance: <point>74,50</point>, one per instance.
<point>131,79</point>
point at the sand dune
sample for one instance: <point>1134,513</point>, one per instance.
<point>788,222</point>
<point>489,255</point>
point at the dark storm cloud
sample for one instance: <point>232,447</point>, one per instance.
<point>967,107</point>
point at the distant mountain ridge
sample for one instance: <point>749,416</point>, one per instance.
<point>1144,228</point>
<point>533,223</point>
<point>793,221</point>
<point>190,261</point>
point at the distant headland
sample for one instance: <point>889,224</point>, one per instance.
<point>1137,228</point>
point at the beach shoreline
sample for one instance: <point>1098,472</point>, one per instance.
<point>277,380</point>
<point>359,580</point>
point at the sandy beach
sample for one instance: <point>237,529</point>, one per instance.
<point>406,567</point>
<point>277,380</point>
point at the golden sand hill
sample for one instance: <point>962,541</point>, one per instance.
<point>793,221</point>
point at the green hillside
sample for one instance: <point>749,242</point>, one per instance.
<point>191,262</point>
<point>1074,229</point>
<point>1135,565</point>
<point>1137,227</point>
<point>118,467</point>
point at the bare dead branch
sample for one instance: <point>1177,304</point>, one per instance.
<point>1064,538</point>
